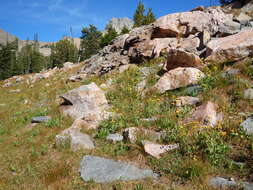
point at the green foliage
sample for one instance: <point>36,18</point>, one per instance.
<point>150,17</point>
<point>63,51</point>
<point>108,37</point>
<point>90,44</point>
<point>140,18</point>
<point>7,59</point>
<point>125,30</point>
<point>139,15</point>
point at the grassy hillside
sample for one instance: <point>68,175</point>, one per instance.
<point>30,160</point>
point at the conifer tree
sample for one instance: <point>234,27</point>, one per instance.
<point>125,30</point>
<point>140,18</point>
<point>139,15</point>
<point>108,37</point>
<point>63,51</point>
<point>91,41</point>
<point>7,59</point>
<point>150,17</point>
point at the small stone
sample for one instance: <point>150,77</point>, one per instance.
<point>193,90</point>
<point>248,125</point>
<point>102,170</point>
<point>141,85</point>
<point>41,119</point>
<point>186,100</point>
<point>2,105</point>
<point>133,133</point>
<point>73,137</point>
<point>248,94</point>
<point>156,150</point>
<point>230,72</point>
<point>15,91</point>
<point>219,182</point>
<point>152,119</point>
<point>77,78</point>
<point>145,71</point>
<point>114,137</point>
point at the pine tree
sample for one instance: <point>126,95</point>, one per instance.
<point>63,51</point>
<point>91,41</point>
<point>7,59</point>
<point>140,18</point>
<point>125,30</point>
<point>37,61</point>
<point>149,18</point>
<point>139,15</point>
<point>108,37</point>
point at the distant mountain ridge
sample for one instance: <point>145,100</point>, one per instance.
<point>44,47</point>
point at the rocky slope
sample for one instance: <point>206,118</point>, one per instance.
<point>167,106</point>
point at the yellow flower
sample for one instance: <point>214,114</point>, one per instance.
<point>223,133</point>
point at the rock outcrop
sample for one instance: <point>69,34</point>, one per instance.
<point>187,36</point>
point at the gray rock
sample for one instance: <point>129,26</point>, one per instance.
<point>229,28</point>
<point>103,170</point>
<point>247,186</point>
<point>145,71</point>
<point>141,85</point>
<point>41,119</point>
<point>230,72</point>
<point>114,137</point>
<point>119,23</point>
<point>87,102</point>
<point>193,90</point>
<point>152,119</point>
<point>75,139</point>
<point>15,91</point>
<point>219,182</point>
<point>248,125</point>
<point>248,94</point>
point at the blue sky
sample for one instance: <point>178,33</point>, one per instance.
<point>52,19</point>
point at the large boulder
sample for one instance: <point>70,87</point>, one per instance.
<point>87,103</point>
<point>186,23</point>
<point>153,48</point>
<point>177,78</point>
<point>102,170</point>
<point>180,58</point>
<point>206,115</point>
<point>231,48</point>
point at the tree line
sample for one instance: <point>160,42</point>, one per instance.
<point>28,59</point>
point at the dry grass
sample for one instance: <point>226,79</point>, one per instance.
<point>29,159</point>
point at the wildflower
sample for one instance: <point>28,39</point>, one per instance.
<point>223,133</point>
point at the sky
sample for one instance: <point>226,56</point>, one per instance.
<point>52,19</point>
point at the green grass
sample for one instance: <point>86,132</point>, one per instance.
<point>30,160</point>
